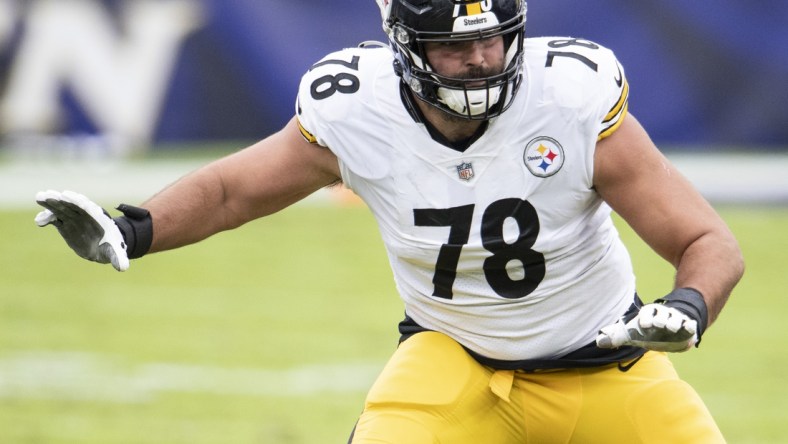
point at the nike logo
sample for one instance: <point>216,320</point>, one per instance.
<point>620,79</point>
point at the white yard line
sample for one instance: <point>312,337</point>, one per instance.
<point>107,182</point>
<point>737,178</point>
<point>94,377</point>
<point>726,178</point>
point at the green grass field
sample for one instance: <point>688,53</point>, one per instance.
<point>273,332</point>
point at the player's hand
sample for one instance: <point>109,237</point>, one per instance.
<point>85,227</point>
<point>656,327</point>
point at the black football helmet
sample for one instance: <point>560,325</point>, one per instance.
<point>410,24</point>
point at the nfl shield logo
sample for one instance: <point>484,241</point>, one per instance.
<point>465,170</point>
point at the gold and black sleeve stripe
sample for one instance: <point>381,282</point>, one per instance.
<point>615,116</point>
<point>309,137</point>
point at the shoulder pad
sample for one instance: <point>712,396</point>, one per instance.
<point>581,76</point>
<point>336,87</point>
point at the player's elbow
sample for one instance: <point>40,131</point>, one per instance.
<point>737,262</point>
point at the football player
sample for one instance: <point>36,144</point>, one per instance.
<point>492,163</point>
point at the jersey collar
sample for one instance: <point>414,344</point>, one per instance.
<point>418,117</point>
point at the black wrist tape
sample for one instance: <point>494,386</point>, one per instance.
<point>136,226</point>
<point>690,302</point>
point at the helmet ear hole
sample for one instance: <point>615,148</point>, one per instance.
<point>401,36</point>
<point>410,24</point>
<point>398,68</point>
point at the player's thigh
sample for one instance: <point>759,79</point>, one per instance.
<point>646,404</point>
<point>431,390</point>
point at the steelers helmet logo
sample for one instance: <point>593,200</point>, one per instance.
<point>543,156</point>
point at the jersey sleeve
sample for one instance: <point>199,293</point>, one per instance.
<point>325,79</point>
<point>614,100</point>
<point>340,107</point>
<point>605,85</point>
<point>584,79</point>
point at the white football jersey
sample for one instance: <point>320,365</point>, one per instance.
<point>505,247</point>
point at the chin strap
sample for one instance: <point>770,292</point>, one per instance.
<point>136,226</point>
<point>690,302</point>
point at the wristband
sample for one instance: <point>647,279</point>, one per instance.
<point>136,226</point>
<point>690,302</point>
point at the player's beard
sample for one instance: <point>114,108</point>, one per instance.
<point>451,118</point>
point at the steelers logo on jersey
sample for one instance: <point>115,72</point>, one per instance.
<point>543,156</point>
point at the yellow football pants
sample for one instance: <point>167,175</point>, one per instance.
<point>432,391</point>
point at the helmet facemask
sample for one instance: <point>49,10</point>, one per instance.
<point>478,98</point>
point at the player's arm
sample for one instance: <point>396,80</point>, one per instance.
<point>257,181</point>
<point>254,182</point>
<point>671,216</point>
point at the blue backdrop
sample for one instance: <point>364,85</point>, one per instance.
<point>703,72</point>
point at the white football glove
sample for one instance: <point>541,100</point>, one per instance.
<point>85,226</point>
<point>656,327</point>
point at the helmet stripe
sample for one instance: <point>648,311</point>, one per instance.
<point>474,8</point>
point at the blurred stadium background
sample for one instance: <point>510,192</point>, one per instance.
<point>106,80</point>
<point>117,98</point>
